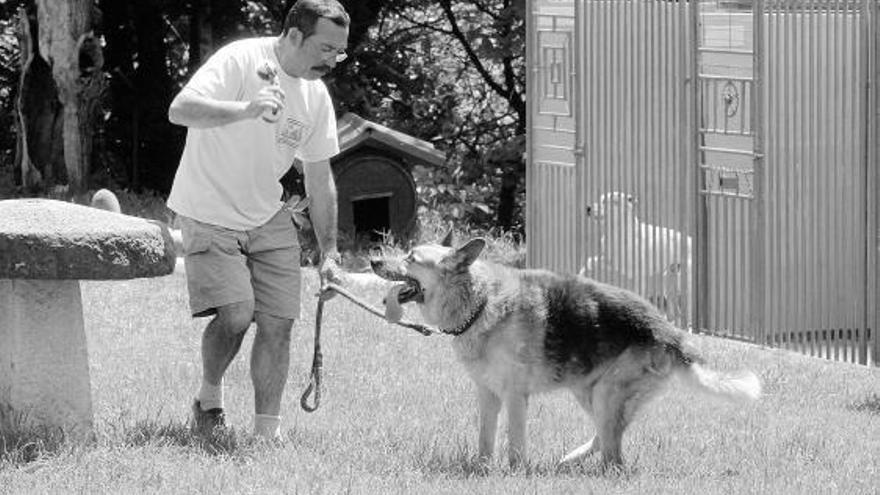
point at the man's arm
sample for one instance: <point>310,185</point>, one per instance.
<point>321,190</point>
<point>191,109</point>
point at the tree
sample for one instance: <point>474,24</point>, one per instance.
<point>142,86</point>
<point>73,54</point>
<point>39,157</point>
<point>452,73</point>
<point>10,74</point>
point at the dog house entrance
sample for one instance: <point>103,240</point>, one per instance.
<point>372,216</point>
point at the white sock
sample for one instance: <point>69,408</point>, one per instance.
<point>210,396</point>
<point>267,426</point>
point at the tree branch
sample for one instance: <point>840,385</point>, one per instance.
<point>446,5</point>
<point>486,10</point>
<point>431,24</point>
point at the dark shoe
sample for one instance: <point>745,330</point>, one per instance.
<point>207,422</point>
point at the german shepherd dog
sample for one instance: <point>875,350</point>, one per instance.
<point>520,332</point>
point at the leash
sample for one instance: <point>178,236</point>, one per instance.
<point>314,386</point>
<point>317,365</point>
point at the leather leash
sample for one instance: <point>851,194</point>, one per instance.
<point>314,387</point>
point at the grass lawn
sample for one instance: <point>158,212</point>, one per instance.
<point>398,416</point>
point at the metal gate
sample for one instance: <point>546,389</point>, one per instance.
<point>718,157</point>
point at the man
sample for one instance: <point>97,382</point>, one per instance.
<point>247,123</point>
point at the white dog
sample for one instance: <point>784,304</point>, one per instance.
<point>641,251</point>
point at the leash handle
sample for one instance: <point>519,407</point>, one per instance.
<point>317,365</point>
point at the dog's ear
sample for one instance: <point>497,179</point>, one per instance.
<point>467,254</point>
<point>448,239</point>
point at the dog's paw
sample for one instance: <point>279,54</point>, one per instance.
<point>393,309</point>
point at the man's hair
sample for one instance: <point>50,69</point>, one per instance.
<point>305,14</point>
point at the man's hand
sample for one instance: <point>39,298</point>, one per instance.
<point>191,109</point>
<point>268,101</point>
<point>331,272</point>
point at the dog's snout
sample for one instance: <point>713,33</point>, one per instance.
<point>589,210</point>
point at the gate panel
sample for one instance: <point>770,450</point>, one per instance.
<point>743,147</point>
<point>552,216</point>
<point>729,215</point>
<point>786,252</point>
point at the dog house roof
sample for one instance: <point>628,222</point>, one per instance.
<point>354,131</point>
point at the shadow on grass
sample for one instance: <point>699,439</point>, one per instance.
<point>870,405</point>
<point>461,464</point>
<point>456,464</point>
<point>21,444</point>
<point>226,442</point>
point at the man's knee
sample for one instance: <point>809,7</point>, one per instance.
<point>235,318</point>
<point>273,327</point>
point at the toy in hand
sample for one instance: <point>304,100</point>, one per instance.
<point>268,72</point>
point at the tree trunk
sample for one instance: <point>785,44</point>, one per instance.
<point>75,58</point>
<point>507,198</point>
<point>26,55</point>
<point>510,159</point>
<point>201,39</point>
<point>154,89</point>
<point>40,159</point>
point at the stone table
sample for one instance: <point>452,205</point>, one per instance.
<point>46,247</point>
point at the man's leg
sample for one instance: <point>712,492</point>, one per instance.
<point>219,283</point>
<point>270,362</point>
<point>274,261</point>
<point>222,339</point>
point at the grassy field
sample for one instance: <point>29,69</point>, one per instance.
<point>398,416</point>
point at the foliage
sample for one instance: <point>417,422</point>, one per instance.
<point>449,72</point>
<point>9,74</point>
<point>452,74</point>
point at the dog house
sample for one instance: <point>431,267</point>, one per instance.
<point>374,181</point>
<point>748,127</point>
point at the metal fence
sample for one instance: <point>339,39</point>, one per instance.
<point>722,162</point>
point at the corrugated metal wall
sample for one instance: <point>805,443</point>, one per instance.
<point>636,126</point>
<point>677,145</point>
<point>817,174</point>
<point>610,112</point>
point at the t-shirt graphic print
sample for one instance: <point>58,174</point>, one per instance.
<point>290,133</point>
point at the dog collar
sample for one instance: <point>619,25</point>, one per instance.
<point>464,327</point>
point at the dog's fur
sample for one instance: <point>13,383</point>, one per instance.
<point>638,249</point>
<point>522,332</point>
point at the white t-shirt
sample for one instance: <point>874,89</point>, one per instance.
<point>228,175</point>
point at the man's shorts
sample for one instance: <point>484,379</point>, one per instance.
<point>225,266</point>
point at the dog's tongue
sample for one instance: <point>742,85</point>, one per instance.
<point>393,309</point>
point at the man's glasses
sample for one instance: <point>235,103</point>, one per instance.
<point>328,52</point>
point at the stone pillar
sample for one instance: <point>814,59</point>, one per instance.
<point>44,367</point>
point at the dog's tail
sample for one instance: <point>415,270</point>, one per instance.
<point>736,387</point>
